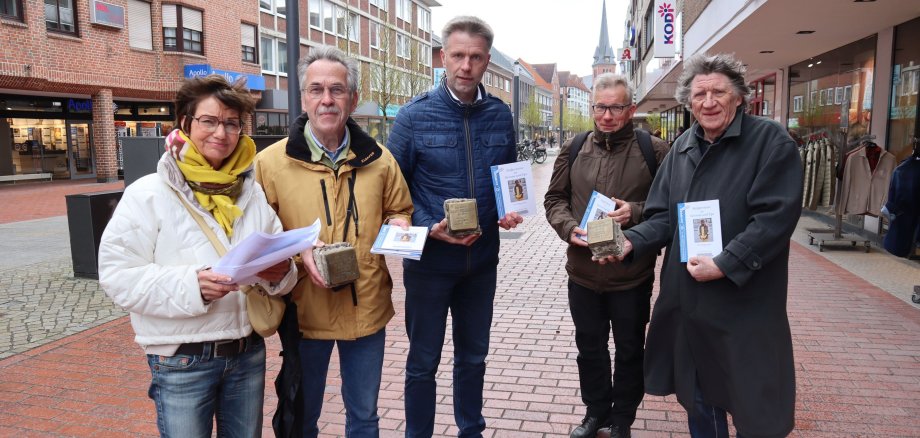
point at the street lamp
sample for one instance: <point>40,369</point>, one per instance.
<point>515,99</point>
<point>563,95</point>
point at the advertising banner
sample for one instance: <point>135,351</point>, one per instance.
<point>665,29</point>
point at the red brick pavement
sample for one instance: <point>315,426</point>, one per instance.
<point>857,360</point>
<point>857,363</point>
<point>22,202</point>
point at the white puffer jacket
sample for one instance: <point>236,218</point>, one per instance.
<point>152,250</point>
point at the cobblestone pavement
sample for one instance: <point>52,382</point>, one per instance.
<point>857,359</point>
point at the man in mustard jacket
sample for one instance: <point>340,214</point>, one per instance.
<point>331,170</point>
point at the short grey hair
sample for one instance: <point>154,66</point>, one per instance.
<point>329,53</point>
<point>704,64</point>
<point>468,24</point>
<point>607,80</point>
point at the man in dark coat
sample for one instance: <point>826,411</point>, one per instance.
<point>719,335</point>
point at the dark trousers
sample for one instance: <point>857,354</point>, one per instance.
<point>594,314</point>
<point>707,421</point>
<point>469,298</point>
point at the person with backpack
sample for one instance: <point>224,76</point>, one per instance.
<point>619,161</point>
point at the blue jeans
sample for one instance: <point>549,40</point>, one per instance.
<point>361,364</point>
<point>707,421</point>
<point>428,298</point>
<point>189,390</point>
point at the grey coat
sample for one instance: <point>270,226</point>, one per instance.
<point>733,333</point>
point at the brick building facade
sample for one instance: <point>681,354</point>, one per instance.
<point>75,75</point>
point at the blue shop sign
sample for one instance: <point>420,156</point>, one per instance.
<point>254,82</point>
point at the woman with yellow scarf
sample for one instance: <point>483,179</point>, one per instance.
<point>155,258</point>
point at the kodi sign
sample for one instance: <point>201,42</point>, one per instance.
<point>666,29</point>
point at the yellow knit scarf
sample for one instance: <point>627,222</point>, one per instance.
<point>196,169</point>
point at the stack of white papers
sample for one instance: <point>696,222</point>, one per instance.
<point>261,251</point>
<point>398,242</point>
<point>700,227</point>
<point>598,207</point>
<point>513,185</point>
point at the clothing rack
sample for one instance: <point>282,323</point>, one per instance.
<point>823,236</point>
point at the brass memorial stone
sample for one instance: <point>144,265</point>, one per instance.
<point>605,238</point>
<point>337,263</point>
<point>462,217</point>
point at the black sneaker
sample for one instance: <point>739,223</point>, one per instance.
<point>588,428</point>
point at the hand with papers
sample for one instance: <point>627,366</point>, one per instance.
<point>261,251</point>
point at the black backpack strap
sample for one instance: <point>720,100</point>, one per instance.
<point>576,145</point>
<point>645,144</point>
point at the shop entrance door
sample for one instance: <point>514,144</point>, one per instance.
<point>80,150</point>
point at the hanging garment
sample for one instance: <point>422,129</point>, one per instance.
<point>903,208</point>
<point>817,184</point>
<point>865,190</point>
<point>830,157</point>
<point>809,174</point>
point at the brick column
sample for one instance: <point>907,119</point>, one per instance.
<point>104,137</point>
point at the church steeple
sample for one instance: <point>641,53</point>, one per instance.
<point>604,57</point>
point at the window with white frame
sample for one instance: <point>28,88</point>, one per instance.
<point>402,46</point>
<point>424,54</point>
<point>248,42</point>
<point>354,27</point>
<point>184,24</point>
<point>382,4</point>
<point>140,27</point>
<point>373,31</point>
<point>341,22</point>
<point>797,104</point>
<point>424,19</point>
<point>404,10</point>
<point>316,13</point>
<point>328,17</point>
<point>488,79</point>
<point>274,6</point>
<point>274,55</point>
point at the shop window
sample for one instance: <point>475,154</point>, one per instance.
<point>11,9</point>
<point>839,89</point>
<point>182,29</point>
<point>903,122</point>
<point>248,42</point>
<point>140,32</point>
<point>60,16</point>
<point>268,123</point>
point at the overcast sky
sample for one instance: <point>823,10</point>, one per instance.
<point>542,31</point>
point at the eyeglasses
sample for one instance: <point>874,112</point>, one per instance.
<point>317,92</point>
<point>210,124</point>
<point>614,109</point>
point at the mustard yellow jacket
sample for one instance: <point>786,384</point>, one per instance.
<point>301,191</point>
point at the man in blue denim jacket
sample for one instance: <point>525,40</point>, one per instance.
<point>445,141</point>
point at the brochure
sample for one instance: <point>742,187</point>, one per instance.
<point>513,184</point>
<point>700,227</point>
<point>261,250</point>
<point>398,242</point>
<point>598,207</point>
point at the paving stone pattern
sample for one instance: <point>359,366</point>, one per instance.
<point>857,359</point>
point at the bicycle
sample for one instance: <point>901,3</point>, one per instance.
<point>523,151</point>
<point>539,155</point>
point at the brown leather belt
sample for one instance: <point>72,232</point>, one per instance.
<point>226,348</point>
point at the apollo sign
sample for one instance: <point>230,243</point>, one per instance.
<point>666,29</point>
